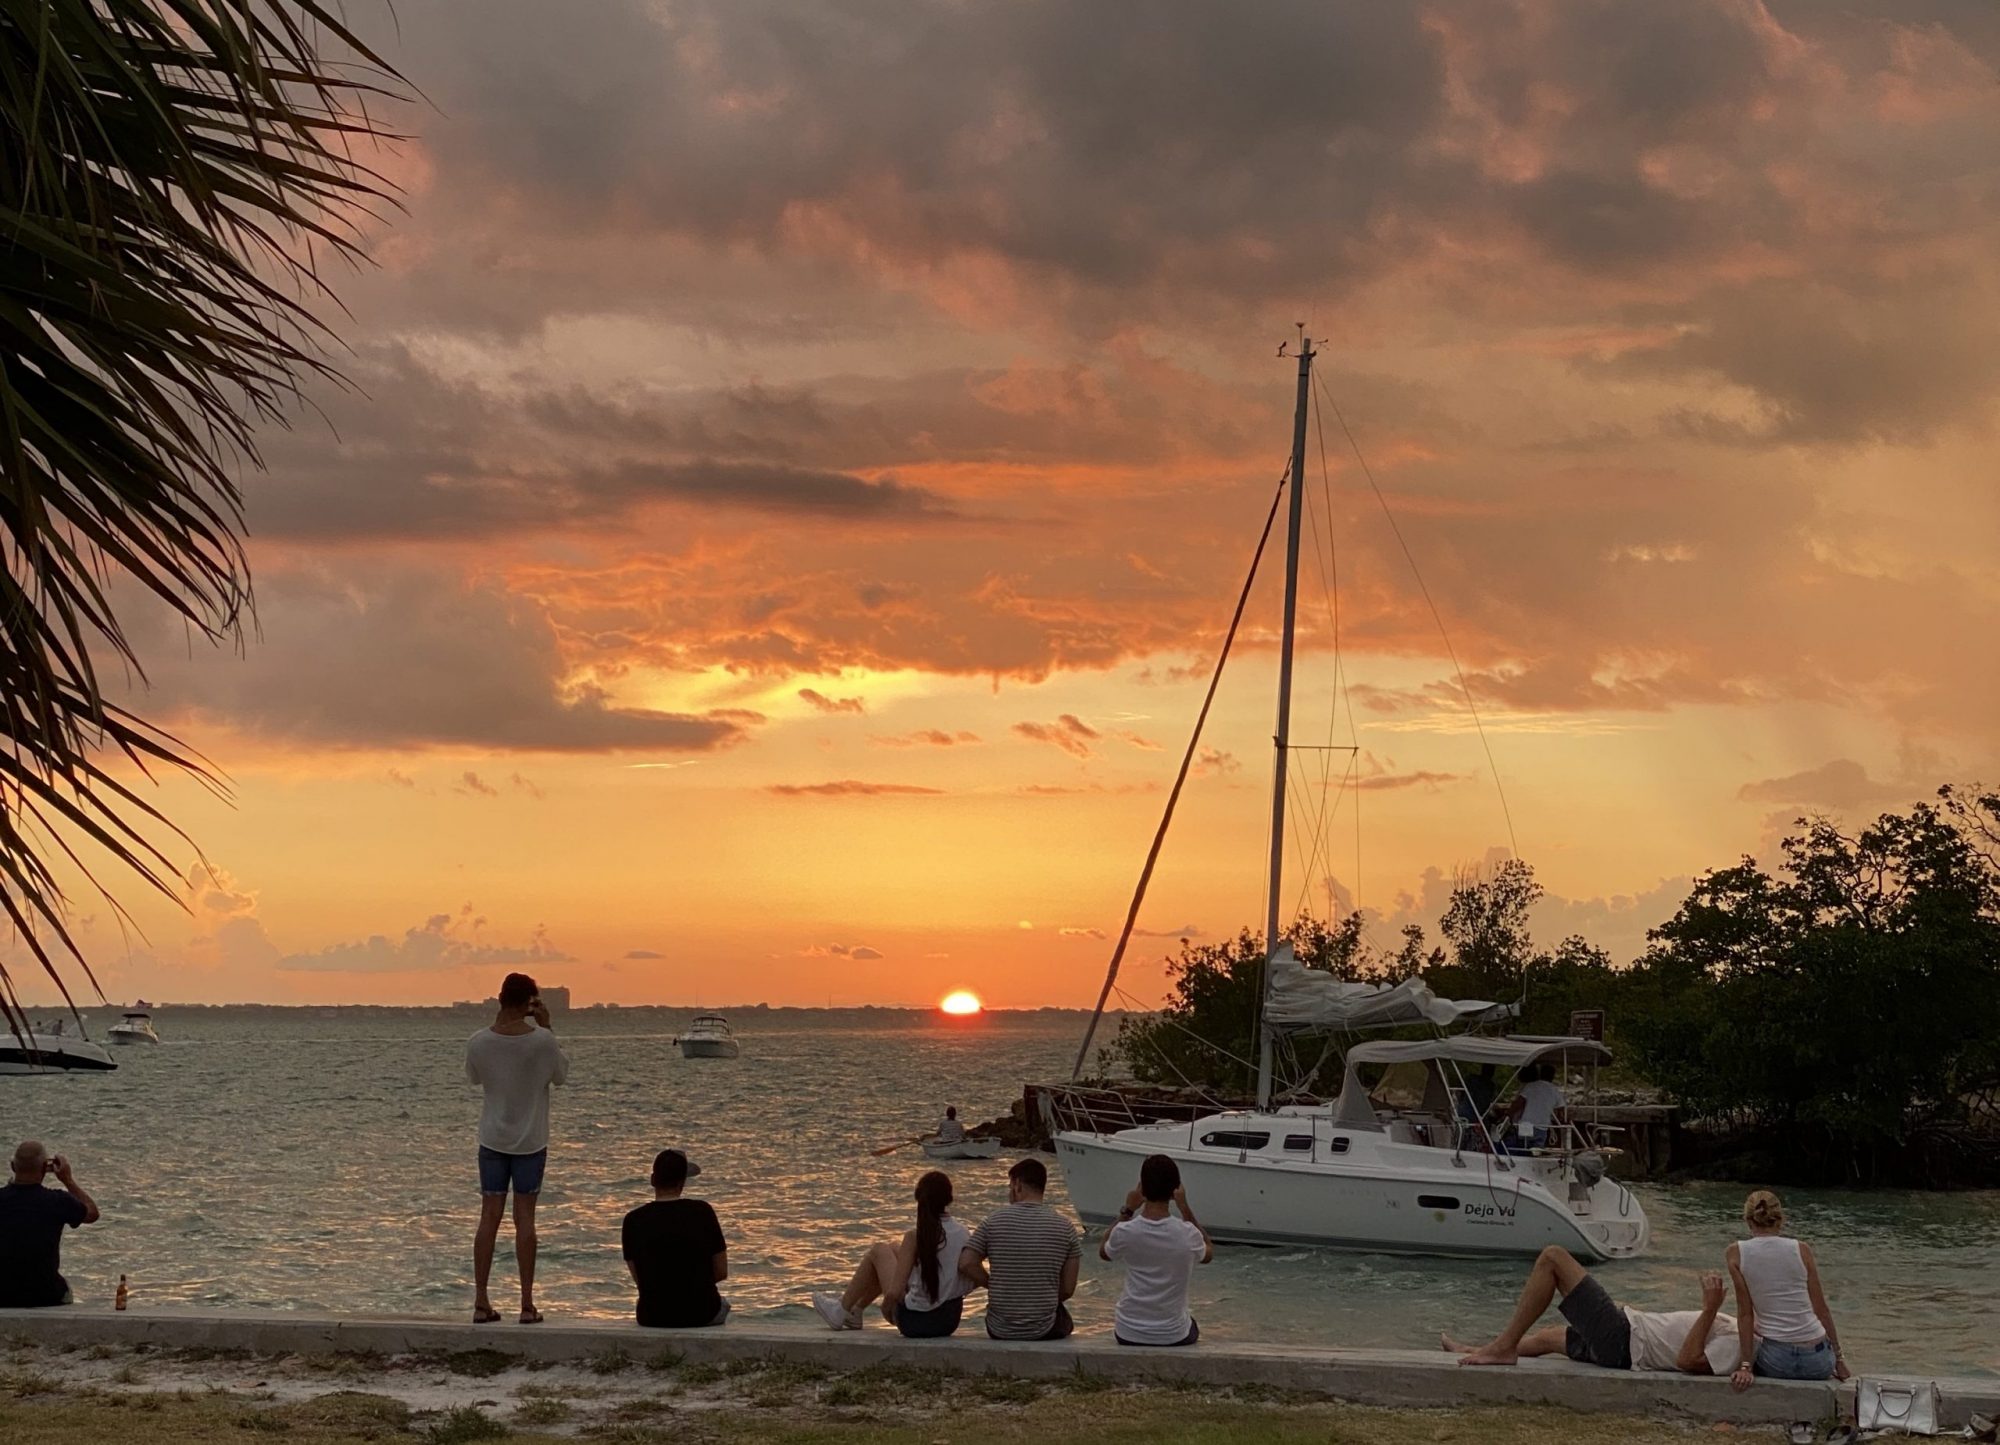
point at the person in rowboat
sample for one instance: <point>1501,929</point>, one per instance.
<point>949,1130</point>
<point>1601,1332</point>
<point>918,1280</point>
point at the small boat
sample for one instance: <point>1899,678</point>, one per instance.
<point>135,1027</point>
<point>708,1037</point>
<point>51,1049</point>
<point>966,1148</point>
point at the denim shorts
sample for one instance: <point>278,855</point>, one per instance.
<point>523,1172</point>
<point>1781,1360</point>
<point>930,1324</point>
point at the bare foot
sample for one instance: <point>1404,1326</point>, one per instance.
<point>1454,1347</point>
<point>1489,1355</point>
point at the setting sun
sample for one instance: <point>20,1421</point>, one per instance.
<point>961,1002</point>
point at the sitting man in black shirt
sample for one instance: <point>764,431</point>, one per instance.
<point>32,1218</point>
<point>675,1250</point>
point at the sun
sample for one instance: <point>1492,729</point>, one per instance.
<point>961,1002</point>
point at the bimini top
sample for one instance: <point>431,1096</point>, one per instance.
<point>1354,1110</point>
<point>1311,998</point>
<point>1511,1053</point>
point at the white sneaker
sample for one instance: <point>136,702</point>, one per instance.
<point>836,1314</point>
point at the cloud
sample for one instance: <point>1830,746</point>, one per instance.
<point>852,788</point>
<point>1216,762</point>
<point>637,953</point>
<point>1841,783</point>
<point>1186,930</point>
<point>400,778</point>
<point>820,702</point>
<point>443,941</point>
<point>471,782</point>
<point>1420,778</point>
<point>859,952</point>
<point>928,737</point>
<point>1068,732</point>
<point>1080,933</point>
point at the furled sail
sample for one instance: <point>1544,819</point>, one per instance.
<point>1300,998</point>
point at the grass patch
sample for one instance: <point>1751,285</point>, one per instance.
<point>645,1408</point>
<point>128,1374</point>
<point>23,1384</point>
<point>608,1362</point>
<point>542,1410</point>
<point>697,1375</point>
<point>467,1422</point>
<point>667,1360</point>
<point>203,1354</point>
<point>478,1364</point>
<point>342,1415</point>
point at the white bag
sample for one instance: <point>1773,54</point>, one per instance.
<point>1902,1407</point>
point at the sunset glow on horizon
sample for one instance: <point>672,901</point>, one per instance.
<point>962,1003</point>
<point>787,507</point>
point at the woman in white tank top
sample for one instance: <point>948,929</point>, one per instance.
<point>1784,1327</point>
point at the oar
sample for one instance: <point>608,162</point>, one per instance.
<point>913,1139</point>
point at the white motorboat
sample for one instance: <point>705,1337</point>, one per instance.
<point>708,1037</point>
<point>51,1049</point>
<point>1350,1175</point>
<point>134,1027</point>
<point>966,1148</point>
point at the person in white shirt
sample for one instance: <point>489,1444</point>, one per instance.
<point>1159,1253</point>
<point>949,1130</point>
<point>918,1280</point>
<point>1599,1331</point>
<point>515,1060</point>
<point>1786,1327</point>
<point>1538,1106</point>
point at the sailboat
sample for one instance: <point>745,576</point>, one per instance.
<point>1430,1179</point>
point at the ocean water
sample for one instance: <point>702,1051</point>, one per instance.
<point>310,1159</point>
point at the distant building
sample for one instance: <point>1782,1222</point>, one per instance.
<point>555,996</point>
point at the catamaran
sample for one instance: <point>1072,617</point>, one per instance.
<point>1427,1178</point>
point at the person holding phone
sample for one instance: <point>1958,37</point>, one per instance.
<point>32,1219</point>
<point>514,1060</point>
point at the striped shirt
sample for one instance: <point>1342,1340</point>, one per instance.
<point>1025,1247</point>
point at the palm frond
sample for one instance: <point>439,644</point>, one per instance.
<point>172,173</point>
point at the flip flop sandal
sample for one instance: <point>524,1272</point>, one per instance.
<point>486,1317</point>
<point>1840,1435</point>
<point>1802,1432</point>
<point>529,1317</point>
<point>1982,1427</point>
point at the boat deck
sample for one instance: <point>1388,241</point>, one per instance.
<point>1375,1377</point>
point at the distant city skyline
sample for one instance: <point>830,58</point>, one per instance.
<point>800,463</point>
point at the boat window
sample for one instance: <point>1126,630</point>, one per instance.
<point>1337,1144</point>
<point>1231,1139</point>
<point>1299,1143</point>
<point>1436,1201</point>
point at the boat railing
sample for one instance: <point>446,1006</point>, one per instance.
<point>1078,1109</point>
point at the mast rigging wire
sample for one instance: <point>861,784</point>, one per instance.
<point>1174,796</point>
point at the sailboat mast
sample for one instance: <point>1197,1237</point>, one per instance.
<point>1281,739</point>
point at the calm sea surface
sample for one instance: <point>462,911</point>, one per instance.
<point>305,1159</point>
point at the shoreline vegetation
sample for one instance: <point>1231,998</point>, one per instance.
<point>1833,1020</point>
<point>88,1394</point>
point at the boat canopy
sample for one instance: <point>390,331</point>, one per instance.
<point>1354,1110</point>
<point>1311,998</point>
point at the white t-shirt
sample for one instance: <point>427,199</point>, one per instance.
<point>951,1284</point>
<point>515,1070</point>
<point>1657,1339</point>
<point>950,1131</point>
<point>1539,1102</point>
<point>1160,1256</point>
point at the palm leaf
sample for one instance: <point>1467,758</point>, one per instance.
<point>172,171</point>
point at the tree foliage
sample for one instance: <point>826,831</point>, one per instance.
<point>175,175</point>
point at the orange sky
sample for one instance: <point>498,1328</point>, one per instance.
<point>802,458</point>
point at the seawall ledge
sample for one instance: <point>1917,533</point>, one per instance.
<point>1405,1378</point>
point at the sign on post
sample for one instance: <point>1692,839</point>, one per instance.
<point>1587,1023</point>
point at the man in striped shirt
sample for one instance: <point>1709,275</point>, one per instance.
<point>1026,1256</point>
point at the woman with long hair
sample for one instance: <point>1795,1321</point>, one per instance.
<point>917,1281</point>
<point>1784,1328</point>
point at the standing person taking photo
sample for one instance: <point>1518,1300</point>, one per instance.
<point>1160,1253</point>
<point>515,1060</point>
<point>1784,1327</point>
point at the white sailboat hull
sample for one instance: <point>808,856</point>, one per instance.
<point>1377,1196</point>
<point>52,1054</point>
<point>692,1048</point>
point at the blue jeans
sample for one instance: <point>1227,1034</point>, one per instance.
<point>1778,1360</point>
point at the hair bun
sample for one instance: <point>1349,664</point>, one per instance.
<point>1762,1210</point>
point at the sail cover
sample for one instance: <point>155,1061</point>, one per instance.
<point>1309,998</point>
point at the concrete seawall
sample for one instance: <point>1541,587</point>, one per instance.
<point>1405,1378</point>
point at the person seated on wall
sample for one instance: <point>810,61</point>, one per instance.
<point>32,1220</point>
<point>675,1251</point>
<point>1159,1253</point>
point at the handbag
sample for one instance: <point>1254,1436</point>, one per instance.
<point>1903,1407</point>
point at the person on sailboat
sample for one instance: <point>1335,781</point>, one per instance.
<point>918,1281</point>
<point>1539,1105</point>
<point>1599,1331</point>
<point>1160,1253</point>
<point>949,1130</point>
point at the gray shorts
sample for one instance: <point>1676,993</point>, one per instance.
<point>1599,1332</point>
